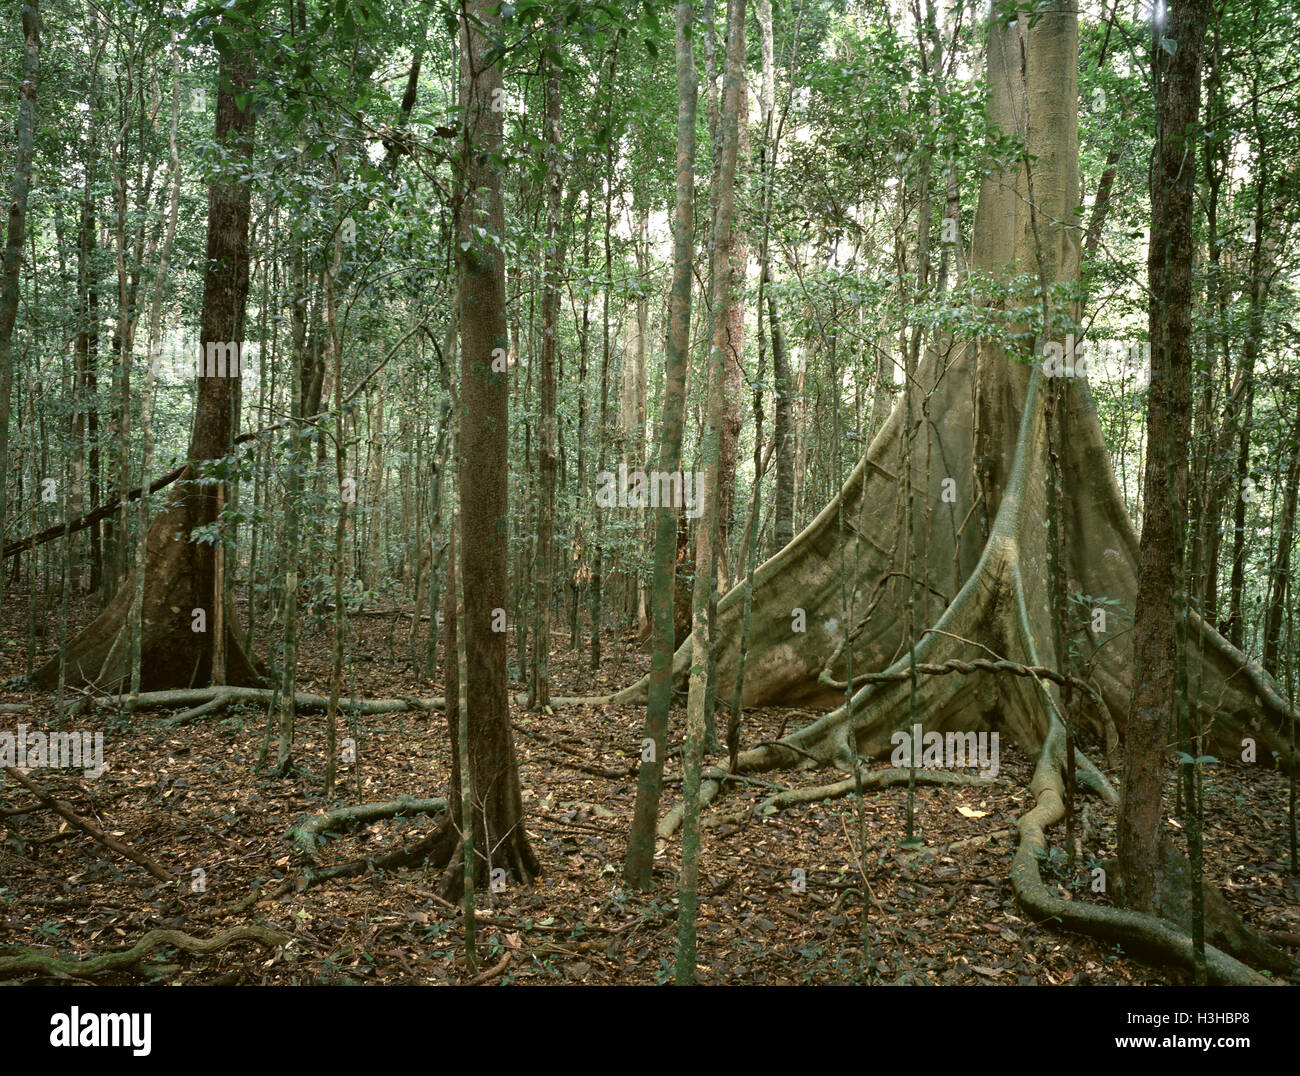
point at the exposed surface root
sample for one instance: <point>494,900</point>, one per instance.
<point>439,846</point>
<point>32,962</point>
<point>1145,934</point>
<point>305,835</point>
<point>216,706</point>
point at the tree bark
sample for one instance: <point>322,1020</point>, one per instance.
<point>540,688</point>
<point>707,532</point>
<point>15,234</point>
<point>734,366</point>
<point>641,836</point>
<point>179,573</point>
<point>782,421</point>
<point>990,591</point>
<point>1161,599</point>
<point>482,487</point>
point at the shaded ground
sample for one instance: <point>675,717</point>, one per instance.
<point>189,798</point>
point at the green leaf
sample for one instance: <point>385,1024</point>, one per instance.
<point>1169,45</point>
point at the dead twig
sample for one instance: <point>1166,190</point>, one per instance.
<point>64,811</point>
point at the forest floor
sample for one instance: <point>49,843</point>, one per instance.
<point>190,798</point>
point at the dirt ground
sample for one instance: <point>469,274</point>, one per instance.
<point>191,798</point>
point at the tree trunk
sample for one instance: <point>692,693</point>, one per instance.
<point>540,689</point>
<point>641,837</point>
<point>180,574</point>
<point>1161,599</point>
<point>734,367</point>
<point>783,498</point>
<point>1244,487</point>
<point>86,421</point>
<point>173,182</point>
<point>15,235</point>
<point>482,487</point>
<point>990,591</point>
<point>707,532</point>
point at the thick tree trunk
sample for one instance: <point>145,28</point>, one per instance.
<point>173,183</point>
<point>993,590</point>
<point>180,577</point>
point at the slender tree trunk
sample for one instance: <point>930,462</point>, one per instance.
<point>641,837</point>
<point>1243,491</point>
<point>298,458</point>
<point>1156,688</point>
<point>783,444</point>
<point>345,497</point>
<point>706,534</point>
<point>438,467</point>
<point>734,358</point>
<point>1280,577</point>
<point>540,691</point>
<point>85,423</point>
<point>598,556</point>
<point>782,421</point>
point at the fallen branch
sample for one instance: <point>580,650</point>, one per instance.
<point>106,509</point>
<point>491,973</point>
<point>66,812</point>
<point>986,838</point>
<point>29,961</point>
<point>197,697</point>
